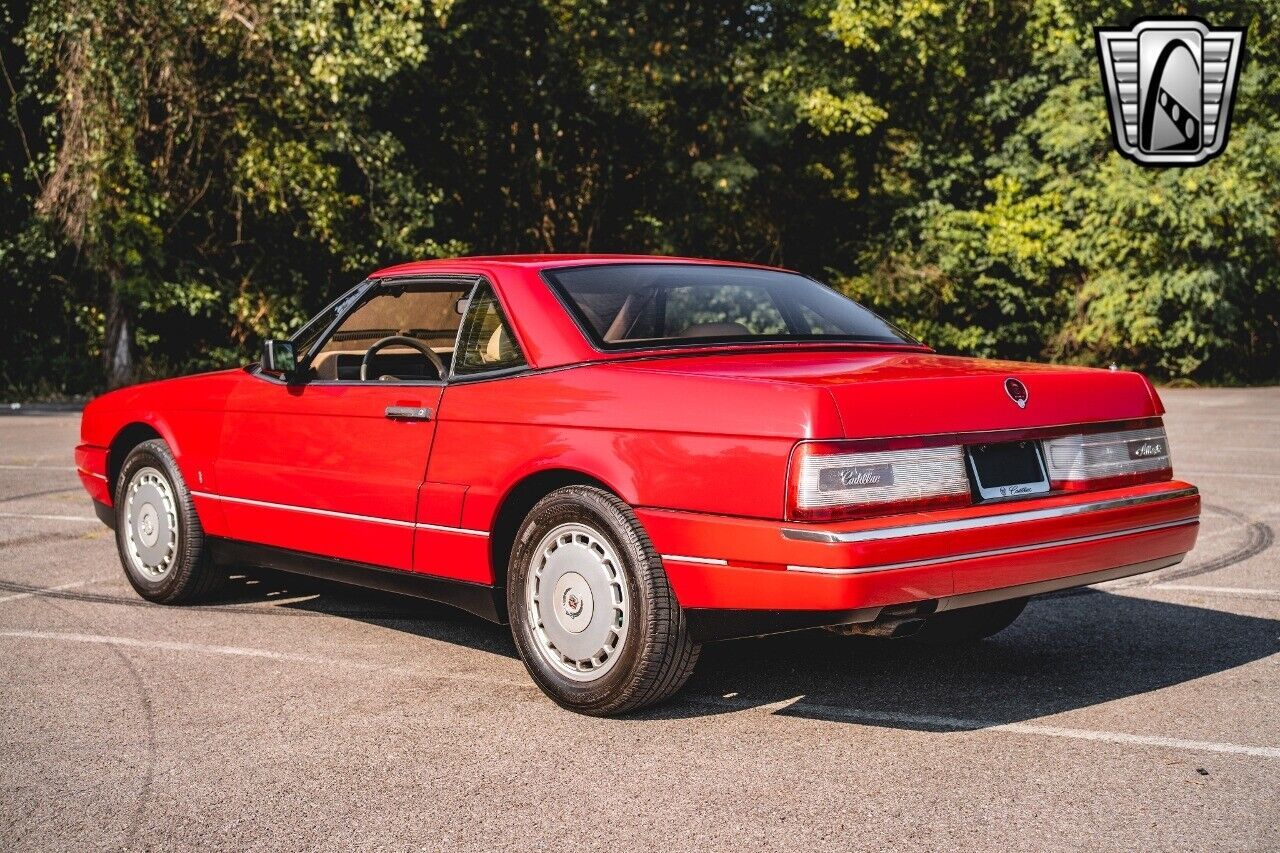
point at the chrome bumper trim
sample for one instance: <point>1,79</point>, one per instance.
<point>996,552</point>
<point>977,522</point>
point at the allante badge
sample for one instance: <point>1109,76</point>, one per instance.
<point>1017,392</point>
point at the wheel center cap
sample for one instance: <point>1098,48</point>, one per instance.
<point>148,525</point>
<point>573,604</point>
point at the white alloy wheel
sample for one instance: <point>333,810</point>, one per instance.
<point>151,514</point>
<point>592,613</point>
<point>577,602</point>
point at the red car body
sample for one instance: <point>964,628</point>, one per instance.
<point>698,441</point>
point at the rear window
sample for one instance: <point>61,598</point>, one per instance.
<point>643,305</point>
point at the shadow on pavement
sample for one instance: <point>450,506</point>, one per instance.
<point>416,616</point>
<point>1065,652</point>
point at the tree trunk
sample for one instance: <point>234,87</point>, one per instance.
<point>117,348</point>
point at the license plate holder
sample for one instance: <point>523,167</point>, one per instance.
<point>1013,469</point>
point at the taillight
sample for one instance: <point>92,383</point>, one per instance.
<point>830,481</point>
<point>1104,459</point>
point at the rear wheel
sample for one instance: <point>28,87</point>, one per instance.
<point>158,534</point>
<point>592,613</point>
<point>969,624</point>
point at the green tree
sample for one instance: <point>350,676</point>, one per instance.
<point>193,143</point>
<point>1072,252</point>
<point>185,178</point>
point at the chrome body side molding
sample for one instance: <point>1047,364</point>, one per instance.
<point>372,519</point>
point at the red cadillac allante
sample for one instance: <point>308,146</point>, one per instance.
<point>626,457</point>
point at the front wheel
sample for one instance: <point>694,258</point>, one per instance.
<point>158,534</point>
<point>592,613</point>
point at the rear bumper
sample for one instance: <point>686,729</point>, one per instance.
<point>844,573</point>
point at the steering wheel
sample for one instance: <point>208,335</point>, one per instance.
<point>411,343</point>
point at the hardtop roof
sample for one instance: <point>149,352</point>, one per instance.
<point>542,261</point>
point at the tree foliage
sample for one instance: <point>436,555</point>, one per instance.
<point>179,179</point>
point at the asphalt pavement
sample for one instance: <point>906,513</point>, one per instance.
<point>1140,714</point>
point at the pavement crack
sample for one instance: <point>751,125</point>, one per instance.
<point>152,756</point>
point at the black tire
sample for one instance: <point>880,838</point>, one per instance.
<point>655,656</point>
<point>189,574</point>
<point>969,624</point>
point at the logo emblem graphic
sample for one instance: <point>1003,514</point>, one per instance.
<point>1017,392</point>
<point>1170,84</point>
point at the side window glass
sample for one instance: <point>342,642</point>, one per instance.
<point>485,342</point>
<point>421,312</point>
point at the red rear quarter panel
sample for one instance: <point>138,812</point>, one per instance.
<point>711,445</point>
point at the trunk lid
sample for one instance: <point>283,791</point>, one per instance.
<point>881,394</point>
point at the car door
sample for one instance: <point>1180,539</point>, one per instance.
<point>333,465</point>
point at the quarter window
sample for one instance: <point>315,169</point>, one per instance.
<point>485,342</point>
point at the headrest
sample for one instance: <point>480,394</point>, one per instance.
<point>498,345</point>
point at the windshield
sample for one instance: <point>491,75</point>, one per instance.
<point>640,305</point>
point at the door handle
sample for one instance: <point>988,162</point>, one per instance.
<point>408,413</point>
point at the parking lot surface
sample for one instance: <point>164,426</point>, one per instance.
<point>1140,714</point>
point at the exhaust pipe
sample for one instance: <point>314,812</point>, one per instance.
<point>893,622</point>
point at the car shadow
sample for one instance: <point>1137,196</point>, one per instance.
<point>1067,651</point>
<point>420,617</point>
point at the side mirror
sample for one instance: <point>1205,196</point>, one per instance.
<point>279,357</point>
